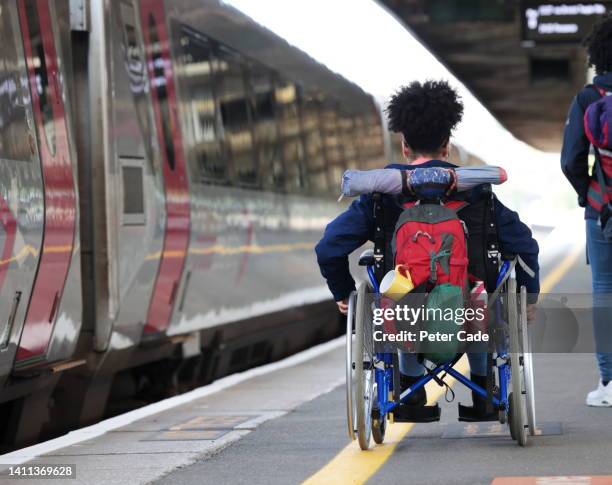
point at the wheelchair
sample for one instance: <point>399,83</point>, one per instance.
<point>373,379</point>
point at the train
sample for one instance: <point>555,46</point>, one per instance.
<point>166,168</point>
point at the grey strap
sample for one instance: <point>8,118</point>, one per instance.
<point>513,264</point>
<point>601,179</point>
<point>525,267</point>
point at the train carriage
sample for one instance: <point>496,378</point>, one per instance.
<point>165,171</point>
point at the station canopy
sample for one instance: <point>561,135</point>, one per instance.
<point>523,60</point>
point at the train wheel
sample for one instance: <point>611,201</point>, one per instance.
<point>527,365</point>
<point>517,415</point>
<point>350,366</point>
<point>363,352</point>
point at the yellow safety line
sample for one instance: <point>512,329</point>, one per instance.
<point>354,466</point>
<point>22,254</point>
<point>28,250</point>
<point>552,278</point>
<point>219,249</point>
<point>233,250</point>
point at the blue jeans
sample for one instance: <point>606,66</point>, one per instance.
<point>600,257</point>
<point>409,365</point>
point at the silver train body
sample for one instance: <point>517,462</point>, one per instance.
<point>166,169</point>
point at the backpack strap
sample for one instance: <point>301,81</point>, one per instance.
<point>379,236</point>
<point>593,87</point>
<point>455,205</point>
<point>601,178</point>
<point>491,242</point>
<point>602,92</point>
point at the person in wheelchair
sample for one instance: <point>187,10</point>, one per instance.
<point>425,115</point>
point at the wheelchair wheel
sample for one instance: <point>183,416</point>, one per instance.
<point>363,352</point>
<point>527,364</point>
<point>517,415</point>
<point>350,366</point>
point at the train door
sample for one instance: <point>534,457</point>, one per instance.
<point>165,111</point>
<point>55,297</point>
<point>134,192</point>
<point>21,187</point>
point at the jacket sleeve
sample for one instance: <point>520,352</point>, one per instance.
<point>575,151</point>
<point>343,235</point>
<point>515,238</point>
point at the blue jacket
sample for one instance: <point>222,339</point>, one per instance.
<point>576,146</point>
<point>354,227</point>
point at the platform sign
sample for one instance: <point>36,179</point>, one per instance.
<point>544,22</point>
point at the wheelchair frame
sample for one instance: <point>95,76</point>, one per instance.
<point>369,402</point>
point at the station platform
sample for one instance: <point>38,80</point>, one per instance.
<point>285,423</point>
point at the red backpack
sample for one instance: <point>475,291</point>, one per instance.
<point>432,242</point>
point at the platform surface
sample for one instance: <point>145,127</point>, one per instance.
<point>285,424</point>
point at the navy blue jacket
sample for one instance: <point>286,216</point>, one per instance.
<point>354,227</point>
<point>576,146</point>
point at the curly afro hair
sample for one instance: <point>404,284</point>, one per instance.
<point>599,45</point>
<point>425,114</point>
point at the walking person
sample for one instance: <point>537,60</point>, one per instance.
<point>594,194</point>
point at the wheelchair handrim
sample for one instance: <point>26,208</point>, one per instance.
<point>528,365</point>
<point>517,375</point>
<point>364,370</point>
<point>350,402</point>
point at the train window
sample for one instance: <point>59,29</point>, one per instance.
<point>290,133</point>
<point>133,191</point>
<point>205,126</point>
<point>313,139</point>
<point>159,84</point>
<point>134,77</point>
<point>14,139</point>
<point>265,126</point>
<point>236,115</point>
<point>43,80</point>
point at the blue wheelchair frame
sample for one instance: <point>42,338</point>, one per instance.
<point>384,377</point>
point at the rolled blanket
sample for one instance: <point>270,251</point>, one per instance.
<point>470,177</point>
<point>389,181</point>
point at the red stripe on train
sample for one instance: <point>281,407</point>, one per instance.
<point>9,223</point>
<point>176,236</point>
<point>60,197</point>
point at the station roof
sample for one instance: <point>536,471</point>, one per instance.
<point>527,85</point>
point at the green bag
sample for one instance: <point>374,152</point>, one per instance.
<point>442,304</point>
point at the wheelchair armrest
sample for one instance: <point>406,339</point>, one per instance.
<point>367,258</point>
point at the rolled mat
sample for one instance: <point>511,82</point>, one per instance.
<point>389,180</point>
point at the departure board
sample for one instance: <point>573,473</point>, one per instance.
<point>544,22</point>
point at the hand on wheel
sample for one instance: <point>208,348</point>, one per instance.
<point>343,306</point>
<point>532,310</point>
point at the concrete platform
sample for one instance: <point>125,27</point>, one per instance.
<point>285,423</point>
<point>145,449</point>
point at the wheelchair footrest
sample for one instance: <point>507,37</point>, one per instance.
<point>469,415</point>
<point>417,414</point>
